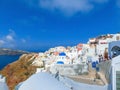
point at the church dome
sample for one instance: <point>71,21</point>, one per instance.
<point>62,54</point>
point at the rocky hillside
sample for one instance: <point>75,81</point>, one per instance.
<point>20,70</point>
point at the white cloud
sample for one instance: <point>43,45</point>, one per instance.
<point>9,38</point>
<point>2,42</point>
<point>66,7</point>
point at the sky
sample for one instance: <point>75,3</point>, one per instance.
<point>41,24</point>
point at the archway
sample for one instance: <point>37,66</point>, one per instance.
<point>115,51</point>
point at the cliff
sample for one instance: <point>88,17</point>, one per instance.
<point>4,51</point>
<point>20,70</point>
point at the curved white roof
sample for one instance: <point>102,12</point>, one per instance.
<point>3,86</point>
<point>42,81</point>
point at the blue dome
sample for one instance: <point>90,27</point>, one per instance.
<point>62,54</point>
<point>60,62</point>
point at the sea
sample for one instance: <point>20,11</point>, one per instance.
<point>7,59</point>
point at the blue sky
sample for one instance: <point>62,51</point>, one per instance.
<point>41,24</point>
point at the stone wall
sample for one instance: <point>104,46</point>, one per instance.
<point>105,68</point>
<point>67,70</point>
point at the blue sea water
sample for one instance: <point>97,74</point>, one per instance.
<point>6,59</point>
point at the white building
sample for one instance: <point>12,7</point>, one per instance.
<point>102,42</point>
<point>114,52</point>
<point>73,53</point>
<point>101,46</point>
<point>116,73</point>
<point>116,37</point>
<point>61,58</point>
<point>60,49</point>
<point>3,85</point>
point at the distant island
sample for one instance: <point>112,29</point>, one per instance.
<point>5,51</point>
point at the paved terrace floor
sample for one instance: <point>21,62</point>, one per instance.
<point>91,78</point>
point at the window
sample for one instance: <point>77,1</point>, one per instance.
<point>117,80</point>
<point>62,57</point>
<point>116,51</point>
